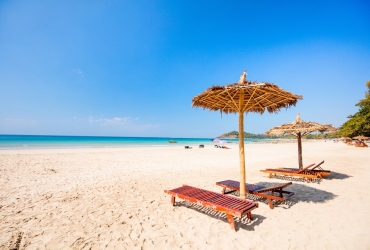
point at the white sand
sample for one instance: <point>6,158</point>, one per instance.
<point>114,199</point>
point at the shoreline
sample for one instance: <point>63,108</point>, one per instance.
<point>179,144</point>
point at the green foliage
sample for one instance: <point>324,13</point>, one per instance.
<point>322,135</point>
<point>359,123</point>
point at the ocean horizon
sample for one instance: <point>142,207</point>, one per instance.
<point>64,141</point>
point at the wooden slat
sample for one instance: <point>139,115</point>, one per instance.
<point>306,175</point>
<point>260,190</point>
<point>216,201</point>
<point>312,170</point>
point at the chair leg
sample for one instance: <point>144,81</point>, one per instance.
<point>249,215</point>
<point>270,203</point>
<point>173,200</point>
<point>231,221</point>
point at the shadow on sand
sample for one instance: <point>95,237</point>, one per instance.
<point>240,223</point>
<point>338,176</point>
<point>291,178</point>
<point>302,193</point>
<point>333,175</point>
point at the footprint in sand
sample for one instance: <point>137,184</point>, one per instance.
<point>81,243</point>
<point>15,241</point>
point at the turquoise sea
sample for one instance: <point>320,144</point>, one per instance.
<point>53,141</point>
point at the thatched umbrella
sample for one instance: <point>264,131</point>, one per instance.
<point>243,97</point>
<point>346,139</point>
<point>361,138</point>
<point>300,128</point>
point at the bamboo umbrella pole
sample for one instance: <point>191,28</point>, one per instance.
<point>299,138</point>
<point>241,145</point>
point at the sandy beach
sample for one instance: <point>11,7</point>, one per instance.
<point>114,198</point>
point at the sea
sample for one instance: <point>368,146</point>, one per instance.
<point>56,141</point>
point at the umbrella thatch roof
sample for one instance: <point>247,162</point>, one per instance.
<point>346,138</point>
<point>361,137</point>
<point>300,126</point>
<point>257,98</point>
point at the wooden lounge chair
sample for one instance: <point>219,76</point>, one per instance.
<point>272,193</point>
<point>315,169</point>
<point>303,173</point>
<point>231,206</point>
<point>361,145</point>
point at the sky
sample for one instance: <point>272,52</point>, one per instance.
<point>131,68</point>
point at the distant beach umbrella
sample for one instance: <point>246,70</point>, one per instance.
<point>346,139</point>
<point>361,138</point>
<point>300,128</point>
<point>243,97</point>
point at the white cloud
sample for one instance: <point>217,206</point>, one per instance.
<point>17,122</point>
<point>14,120</point>
<point>78,72</point>
<point>112,121</point>
<point>124,122</point>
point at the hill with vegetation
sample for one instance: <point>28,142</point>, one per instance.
<point>235,134</point>
<point>359,123</point>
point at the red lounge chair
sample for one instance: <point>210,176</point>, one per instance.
<point>231,206</point>
<point>303,173</point>
<point>361,145</point>
<point>277,192</point>
<point>315,170</point>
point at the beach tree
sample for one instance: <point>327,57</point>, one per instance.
<point>359,123</point>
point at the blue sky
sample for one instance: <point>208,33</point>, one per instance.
<point>131,68</point>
